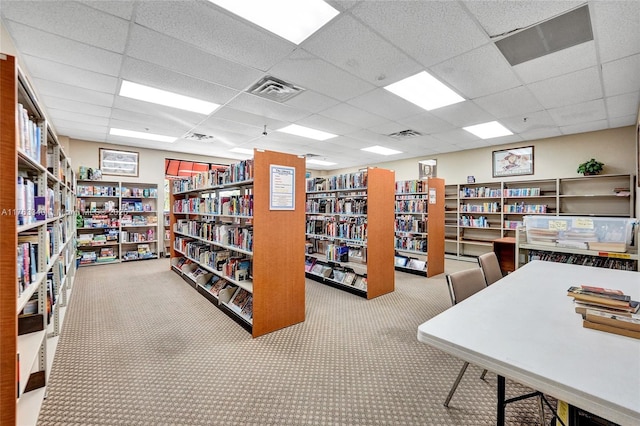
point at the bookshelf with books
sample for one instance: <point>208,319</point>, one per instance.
<point>481,220</point>
<point>237,237</point>
<point>606,242</point>
<point>349,238</point>
<point>419,226</point>
<point>37,200</point>
<point>119,221</point>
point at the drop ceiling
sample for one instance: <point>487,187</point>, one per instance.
<point>78,54</point>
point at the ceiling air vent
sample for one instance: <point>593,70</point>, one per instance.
<point>274,89</point>
<point>405,134</point>
<point>192,136</point>
<point>311,155</point>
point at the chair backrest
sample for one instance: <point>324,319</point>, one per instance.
<point>463,284</point>
<point>490,267</point>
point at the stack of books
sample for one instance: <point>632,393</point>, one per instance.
<point>607,310</point>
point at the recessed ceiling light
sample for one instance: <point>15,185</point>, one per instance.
<point>489,130</point>
<point>141,135</point>
<point>306,132</point>
<point>425,91</point>
<point>320,162</point>
<point>293,20</point>
<point>377,149</point>
<point>163,97</point>
<point>242,151</point>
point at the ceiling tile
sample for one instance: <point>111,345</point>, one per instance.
<point>82,135</point>
<point>140,123</point>
<point>509,103</point>
<point>362,52</point>
<point>141,111</point>
<point>531,121</point>
<point>540,134</point>
<point>429,31</point>
<point>326,124</point>
<point>31,41</point>
<point>76,106</point>
<point>310,100</point>
<point>568,89</point>
<point>502,16</point>
<point>61,73</point>
<point>554,64</point>
<point>629,120</point>
<point>590,126</point>
<point>72,21</point>
<point>306,70</point>
<point>617,30</point>
<point>266,108</point>
<point>162,78</point>
<point>579,113</point>
<point>463,114</point>
<point>456,136</point>
<point>426,122</point>
<point>122,9</point>
<point>248,119</point>
<point>189,60</point>
<point>352,115</point>
<point>386,104</point>
<point>621,76</point>
<point>367,138</point>
<point>61,116</point>
<point>66,91</point>
<point>215,31</point>
<point>623,105</point>
<point>480,72</point>
<point>79,126</point>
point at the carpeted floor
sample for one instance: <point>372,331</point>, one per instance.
<point>139,346</point>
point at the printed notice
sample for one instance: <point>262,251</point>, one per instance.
<point>432,195</point>
<point>282,188</point>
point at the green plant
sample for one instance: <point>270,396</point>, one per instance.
<point>591,167</point>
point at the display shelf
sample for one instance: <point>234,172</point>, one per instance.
<point>225,231</point>
<point>420,206</point>
<point>353,210</point>
<point>114,214</point>
<point>41,225</point>
<point>595,196</point>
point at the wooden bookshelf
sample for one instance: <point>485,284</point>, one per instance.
<point>373,191</point>
<point>38,220</point>
<point>430,194</point>
<point>276,253</point>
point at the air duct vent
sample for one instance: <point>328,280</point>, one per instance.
<point>405,134</point>
<point>192,136</point>
<point>311,155</point>
<point>274,89</point>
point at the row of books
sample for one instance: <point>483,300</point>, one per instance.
<point>418,205</point>
<point>410,224</point>
<point>525,208</point>
<point>411,186</point>
<point>30,207</point>
<point>139,192</point>
<point>521,192</point>
<point>138,220</point>
<point>29,134</point>
<point>238,205</point>
<point>232,266</point>
<point>481,208</point>
<point>136,237</point>
<point>583,259</point>
<point>410,243</point>
<point>238,299</point>
<point>235,173</point>
<point>480,192</point>
<point>224,234</point>
<point>607,310</point>
<point>357,180</point>
<point>355,253</point>
<point>409,263</point>
<point>474,221</point>
<point>335,273</point>
<point>136,206</point>
<point>98,191</point>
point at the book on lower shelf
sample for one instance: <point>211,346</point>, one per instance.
<point>239,299</point>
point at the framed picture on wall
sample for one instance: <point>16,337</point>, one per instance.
<point>426,169</point>
<point>513,162</point>
<point>118,163</point>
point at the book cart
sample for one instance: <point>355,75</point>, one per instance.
<point>37,201</point>
<point>419,227</point>
<point>349,230</point>
<point>238,238</point>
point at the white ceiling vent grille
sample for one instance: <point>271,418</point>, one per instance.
<point>274,89</point>
<point>405,134</point>
<point>192,136</point>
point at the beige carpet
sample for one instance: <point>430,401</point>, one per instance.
<point>141,347</point>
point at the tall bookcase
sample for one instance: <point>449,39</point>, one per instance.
<point>238,238</point>
<point>37,200</point>
<point>119,221</point>
<point>477,214</point>
<point>419,226</point>
<point>350,231</point>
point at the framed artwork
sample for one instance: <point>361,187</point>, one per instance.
<point>118,163</point>
<point>426,169</point>
<point>513,162</point>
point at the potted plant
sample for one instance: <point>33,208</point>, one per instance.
<point>591,167</point>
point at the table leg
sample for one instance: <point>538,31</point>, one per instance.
<point>501,400</point>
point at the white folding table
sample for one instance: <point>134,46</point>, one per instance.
<point>524,327</point>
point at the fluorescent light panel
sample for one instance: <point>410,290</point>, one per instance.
<point>377,149</point>
<point>294,20</point>
<point>306,132</point>
<point>141,135</point>
<point>242,151</point>
<point>320,162</point>
<point>489,130</point>
<point>163,97</point>
<point>425,91</point>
